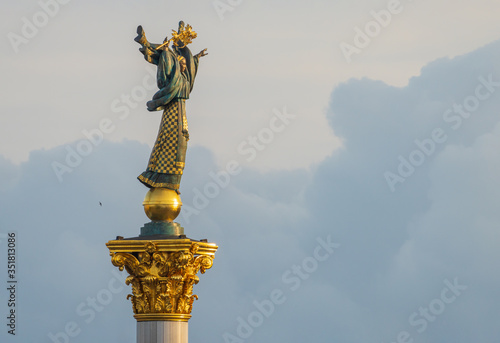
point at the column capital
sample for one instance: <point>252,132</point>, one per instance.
<point>162,274</point>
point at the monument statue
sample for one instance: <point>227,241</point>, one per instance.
<point>177,69</point>
<point>162,262</point>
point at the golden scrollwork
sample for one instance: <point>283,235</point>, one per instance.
<point>162,280</point>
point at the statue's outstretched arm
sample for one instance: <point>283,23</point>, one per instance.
<point>201,53</point>
<point>141,37</point>
<point>147,49</point>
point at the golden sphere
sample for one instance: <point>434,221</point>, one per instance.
<point>162,204</point>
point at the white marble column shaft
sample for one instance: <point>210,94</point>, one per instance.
<point>162,332</point>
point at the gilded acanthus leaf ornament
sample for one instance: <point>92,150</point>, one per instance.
<point>162,281</point>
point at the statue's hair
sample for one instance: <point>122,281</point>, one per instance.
<point>179,58</point>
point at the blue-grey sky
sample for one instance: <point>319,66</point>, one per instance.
<point>343,156</point>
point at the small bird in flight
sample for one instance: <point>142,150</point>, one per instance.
<point>100,203</point>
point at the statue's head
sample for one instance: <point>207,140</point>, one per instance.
<point>182,63</point>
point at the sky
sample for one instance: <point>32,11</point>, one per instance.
<point>343,156</point>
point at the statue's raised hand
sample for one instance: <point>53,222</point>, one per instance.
<point>202,53</point>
